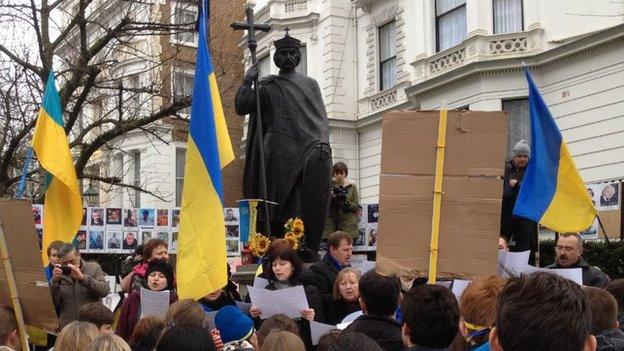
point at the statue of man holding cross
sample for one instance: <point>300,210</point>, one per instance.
<point>295,136</point>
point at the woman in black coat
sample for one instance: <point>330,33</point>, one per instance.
<point>346,294</point>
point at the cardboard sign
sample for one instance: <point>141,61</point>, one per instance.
<point>16,218</point>
<point>471,200</point>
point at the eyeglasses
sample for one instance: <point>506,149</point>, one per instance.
<point>565,248</point>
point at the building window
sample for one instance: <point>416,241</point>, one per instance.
<point>518,125</point>
<point>264,66</point>
<point>135,195</point>
<point>134,98</point>
<point>182,87</point>
<point>507,16</point>
<point>180,162</point>
<point>387,56</point>
<point>303,64</point>
<point>117,172</point>
<point>185,17</point>
<point>450,23</point>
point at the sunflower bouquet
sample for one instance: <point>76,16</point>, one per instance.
<point>294,232</point>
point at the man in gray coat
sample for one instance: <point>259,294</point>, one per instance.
<point>75,283</point>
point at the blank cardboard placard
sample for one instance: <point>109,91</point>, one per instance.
<point>17,223</point>
<point>471,200</point>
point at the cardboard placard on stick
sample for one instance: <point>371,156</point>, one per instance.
<point>471,193</point>
<point>16,218</point>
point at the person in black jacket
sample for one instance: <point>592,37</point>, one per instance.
<point>568,254</point>
<point>285,270</point>
<point>322,274</point>
<point>346,295</point>
<point>523,231</point>
<point>379,297</point>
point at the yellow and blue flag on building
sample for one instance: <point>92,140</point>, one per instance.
<point>552,191</point>
<point>63,203</point>
<point>248,210</point>
<point>201,266</point>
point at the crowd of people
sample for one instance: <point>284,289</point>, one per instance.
<point>541,311</point>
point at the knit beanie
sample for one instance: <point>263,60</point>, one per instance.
<point>233,324</point>
<point>162,267</point>
<point>521,148</point>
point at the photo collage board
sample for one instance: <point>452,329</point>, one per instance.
<point>120,230</point>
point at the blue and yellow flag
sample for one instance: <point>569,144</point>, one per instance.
<point>63,203</point>
<point>201,267</point>
<point>552,191</point>
<point>248,210</point>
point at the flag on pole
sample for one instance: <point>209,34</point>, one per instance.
<point>248,210</point>
<point>552,191</point>
<point>63,203</point>
<point>201,267</point>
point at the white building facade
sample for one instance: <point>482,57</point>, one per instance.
<point>371,56</point>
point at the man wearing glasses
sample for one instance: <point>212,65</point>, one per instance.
<point>568,254</point>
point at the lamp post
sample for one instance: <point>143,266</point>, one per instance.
<point>91,195</point>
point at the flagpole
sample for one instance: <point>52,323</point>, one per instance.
<point>22,183</point>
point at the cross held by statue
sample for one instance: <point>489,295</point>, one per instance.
<point>251,28</point>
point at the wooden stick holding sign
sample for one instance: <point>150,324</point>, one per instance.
<point>17,307</point>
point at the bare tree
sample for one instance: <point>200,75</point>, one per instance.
<point>90,44</point>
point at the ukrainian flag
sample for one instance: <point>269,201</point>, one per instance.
<point>552,191</point>
<point>201,267</point>
<point>63,203</point>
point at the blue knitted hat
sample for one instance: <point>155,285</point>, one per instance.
<point>233,324</point>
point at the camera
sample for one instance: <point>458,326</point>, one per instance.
<point>66,270</point>
<point>340,192</point>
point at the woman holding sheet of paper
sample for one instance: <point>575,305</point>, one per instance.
<point>285,269</point>
<point>346,294</point>
<point>159,278</point>
<point>154,249</point>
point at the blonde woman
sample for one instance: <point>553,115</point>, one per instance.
<point>345,296</point>
<point>76,336</point>
<point>109,342</point>
<point>282,341</point>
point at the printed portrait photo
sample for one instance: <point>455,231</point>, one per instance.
<point>113,216</point>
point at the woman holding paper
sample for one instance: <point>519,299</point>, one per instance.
<point>159,278</point>
<point>154,249</point>
<point>285,271</point>
<point>346,294</point>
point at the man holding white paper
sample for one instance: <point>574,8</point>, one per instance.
<point>568,254</point>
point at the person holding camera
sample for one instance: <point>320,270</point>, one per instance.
<point>345,201</point>
<point>75,283</point>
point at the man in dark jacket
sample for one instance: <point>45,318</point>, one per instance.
<point>604,320</point>
<point>568,254</point>
<point>430,318</point>
<point>523,231</point>
<point>75,283</point>
<point>379,298</point>
<point>323,274</point>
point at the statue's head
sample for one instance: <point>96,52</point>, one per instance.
<point>287,55</point>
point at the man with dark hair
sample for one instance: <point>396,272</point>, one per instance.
<point>605,323</point>
<point>323,273</point>
<point>430,318</point>
<point>352,341</point>
<point>543,312</point>
<point>75,283</point>
<point>569,254</point>
<point>9,334</point>
<point>379,298</point>
<point>616,288</point>
<point>99,315</point>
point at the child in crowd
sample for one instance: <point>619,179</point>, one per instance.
<point>283,341</point>
<point>154,249</point>
<point>109,342</point>
<point>185,337</point>
<point>146,333</point>
<point>477,309</point>
<point>604,320</point>
<point>76,336</point>
<point>276,322</point>
<point>99,315</point>
<point>235,328</point>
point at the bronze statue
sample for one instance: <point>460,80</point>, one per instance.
<point>295,135</point>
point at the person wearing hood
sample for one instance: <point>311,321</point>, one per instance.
<point>159,277</point>
<point>344,203</point>
<point>569,254</point>
<point>523,231</point>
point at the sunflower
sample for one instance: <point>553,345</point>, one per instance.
<point>292,241</point>
<point>259,244</point>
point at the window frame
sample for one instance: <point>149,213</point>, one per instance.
<point>437,22</point>
<point>179,190</point>
<point>381,62</point>
<point>178,7</point>
<point>494,18</point>
<point>190,72</point>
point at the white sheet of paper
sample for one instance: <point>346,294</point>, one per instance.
<point>210,319</point>
<point>112,283</point>
<point>574,274</point>
<point>111,301</point>
<point>243,306</point>
<point>260,283</point>
<point>512,263</point>
<point>154,303</point>
<point>319,329</point>
<point>343,326</point>
<point>289,301</point>
<point>446,284</point>
<point>459,286</point>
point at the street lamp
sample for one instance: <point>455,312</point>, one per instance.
<point>91,195</point>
